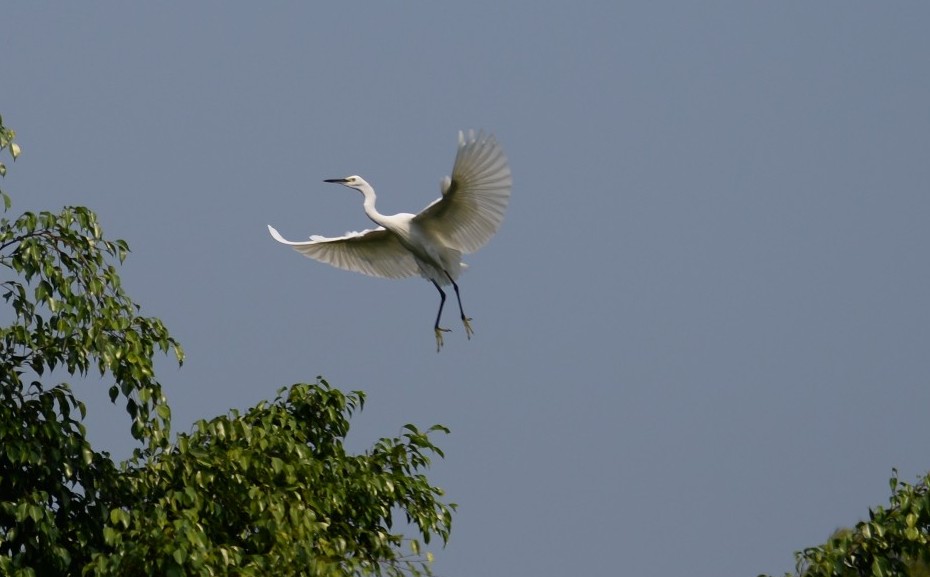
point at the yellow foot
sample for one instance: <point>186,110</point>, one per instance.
<point>439,332</point>
<point>468,330</point>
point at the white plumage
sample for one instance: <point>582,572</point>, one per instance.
<point>429,244</point>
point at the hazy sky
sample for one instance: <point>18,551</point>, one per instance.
<point>702,332</point>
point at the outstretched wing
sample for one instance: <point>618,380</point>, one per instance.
<point>475,197</point>
<point>373,252</point>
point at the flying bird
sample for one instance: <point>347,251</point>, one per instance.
<point>431,243</point>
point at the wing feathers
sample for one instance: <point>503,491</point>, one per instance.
<point>372,252</point>
<point>474,200</point>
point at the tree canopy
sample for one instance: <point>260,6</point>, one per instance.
<point>895,541</point>
<point>270,490</point>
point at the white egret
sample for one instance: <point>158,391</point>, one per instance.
<point>429,244</point>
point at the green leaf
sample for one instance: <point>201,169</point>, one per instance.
<point>119,517</point>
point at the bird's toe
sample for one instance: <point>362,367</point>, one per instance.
<point>439,330</point>
<point>468,330</point>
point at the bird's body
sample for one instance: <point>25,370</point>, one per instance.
<point>429,244</point>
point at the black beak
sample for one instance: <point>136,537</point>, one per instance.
<point>336,180</point>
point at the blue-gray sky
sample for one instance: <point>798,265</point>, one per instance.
<point>702,333</point>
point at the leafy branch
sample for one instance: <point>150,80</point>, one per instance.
<point>71,312</point>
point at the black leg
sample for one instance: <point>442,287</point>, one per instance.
<point>442,301</point>
<point>468,329</point>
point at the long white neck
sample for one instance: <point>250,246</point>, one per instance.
<point>369,193</point>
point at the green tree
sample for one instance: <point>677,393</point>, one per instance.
<point>269,491</point>
<point>895,541</point>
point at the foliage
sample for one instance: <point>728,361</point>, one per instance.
<point>68,313</point>
<point>6,141</point>
<point>895,541</point>
<point>268,491</point>
<point>274,489</point>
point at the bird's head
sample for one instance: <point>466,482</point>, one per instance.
<point>356,182</point>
